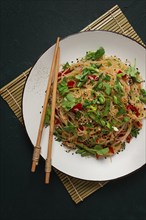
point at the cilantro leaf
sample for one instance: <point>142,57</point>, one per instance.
<point>107,78</point>
<point>121,111</point>
<point>134,132</point>
<point>133,72</point>
<point>86,71</point>
<point>66,66</point>
<point>86,103</point>
<point>82,76</point>
<point>70,128</point>
<point>143,96</point>
<point>83,152</point>
<point>97,116</point>
<point>143,99</point>
<point>62,87</point>
<point>95,55</point>
<point>143,92</point>
<point>69,102</point>
<point>99,53</point>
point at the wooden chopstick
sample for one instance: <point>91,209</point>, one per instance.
<point>49,153</point>
<point>37,148</point>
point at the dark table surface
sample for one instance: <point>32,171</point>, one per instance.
<point>28,28</point>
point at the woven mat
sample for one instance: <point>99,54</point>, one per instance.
<point>113,20</point>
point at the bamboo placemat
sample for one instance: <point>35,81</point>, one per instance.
<point>112,20</point>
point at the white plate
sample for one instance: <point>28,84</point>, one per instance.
<point>72,47</point>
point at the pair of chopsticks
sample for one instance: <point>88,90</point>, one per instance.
<point>37,149</point>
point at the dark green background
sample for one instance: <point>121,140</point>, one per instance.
<point>28,28</point>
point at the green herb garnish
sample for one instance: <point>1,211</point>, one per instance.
<point>66,66</point>
<point>143,92</point>
<point>82,152</point>
<point>100,99</point>
<point>109,63</point>
<point>96,65</point>
<point>121,111</point>
<point>143,96</point>
<point>109,126</point>
<point>116,100</point>
<point>91,108</point>
<point>69,102</point>
<point>47,116</point>
<point>133,72</point>
<point>95,55</point>
<point>102,122</point>
<point>62,87</point>
<point>143,99</point>
<point>98,149</point>
<point>126,119</point>
<point>134,132</point>
<point>107,108</point>
<point>107,78</point>
<point>108,88</point>
<point>70,128</point>
<point>99,84</point>
<point>86,103</point>
<point>118,87</point>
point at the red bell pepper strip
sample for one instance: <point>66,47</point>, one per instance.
<point>57,121</point>
<point>93,77</point>
<point>111,150</point>
<point>60,73</point>
<point>124,77</point>
<point>81,128</point>
<point>67,71</point>
<point>133,108</point>
<point>64,72</point>
<point>77,107</point>
<point>139,124</point>
<point>71,84</point>
<point>97,141</point>
<point>128,139</point>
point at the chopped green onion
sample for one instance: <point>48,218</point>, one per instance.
<point>108,88</point>
<point>126,119</point>
<point>121,111</point>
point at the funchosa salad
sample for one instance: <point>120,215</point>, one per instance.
<point>100,104</point>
